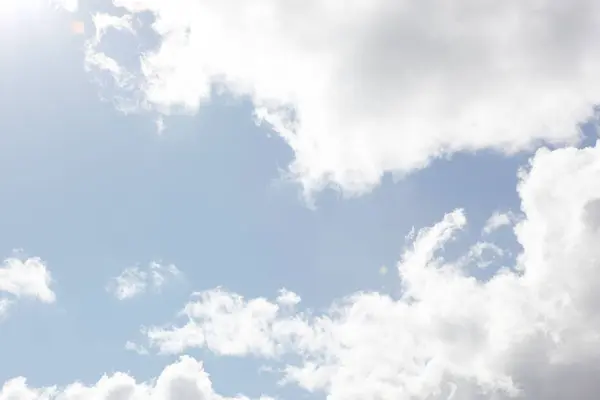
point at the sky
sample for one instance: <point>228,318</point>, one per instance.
<point>299,200</point>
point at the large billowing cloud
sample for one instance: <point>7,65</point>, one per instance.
<point>531,331</point>
<point>361,87</point>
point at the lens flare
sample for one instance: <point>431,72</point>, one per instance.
<point>78,27</point>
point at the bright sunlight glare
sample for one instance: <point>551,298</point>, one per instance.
<point>24,14</point>
<point>14,11</point>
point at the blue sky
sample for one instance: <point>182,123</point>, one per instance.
<point>92,191</point>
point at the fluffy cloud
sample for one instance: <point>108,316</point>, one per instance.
<point>24,279</point>
<point>498,220</point>
<point>531,331</point>
<point>185,380</point>
<point>134,281</point>
<point>363,87</point>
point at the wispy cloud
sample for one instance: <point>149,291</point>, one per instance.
<point>5,305</point>
<point>136,348</point>
<point>498,220</point>
<point>136,280</point>
<point>67,5</point>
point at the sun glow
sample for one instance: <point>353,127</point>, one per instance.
<point>10,8</point>
<point>25,14</point>
<point>14,12</point>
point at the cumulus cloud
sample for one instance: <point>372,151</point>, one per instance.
<point>185,379</point>
<point>288,298</point>
<point>359,88</point>
<point>27,278</point>
<point>134,281</point>
<point>531,331</point>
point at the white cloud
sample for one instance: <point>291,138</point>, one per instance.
<point>136,348</point>
<point>5,305</point>
<point>533,331</point>
<point>482,254</point>
<point>134,281</point>
<point>378,85</point>
<point>67,5</point>
<point>288,298</point>
<point>185,379</point>
<point>498,220</point>
<point>26,278</point>
<point>219,320</point>
<point>99,61</point>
